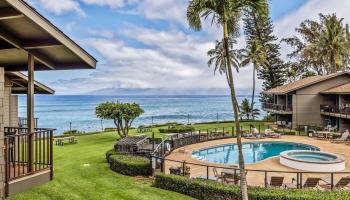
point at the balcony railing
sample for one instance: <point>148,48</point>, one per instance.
<point>27,152</point>
<point>335,109</point>
<point>23,122</point>
<point>277,107</point>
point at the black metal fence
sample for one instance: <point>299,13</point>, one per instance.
<point>27,152</point>
<point>255,177</point>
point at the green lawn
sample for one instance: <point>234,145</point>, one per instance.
<point>81,172</point>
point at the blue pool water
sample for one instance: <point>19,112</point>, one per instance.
<point>312,156</point>
<point>253,151</point>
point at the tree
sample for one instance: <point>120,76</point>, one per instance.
<point>246,110</point>
<point>226,14</point>
<point>122,114</point>
<point>218,60</point>
<point>254,54</point>
<point>259,27</point>
<point>323,46</point>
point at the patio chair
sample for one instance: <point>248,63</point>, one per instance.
<point>275,181</point>
<point>310,183</point>
<point>342,139</point>
<point>270,134</point>
<point>342,183</point>
<point>217,176</point>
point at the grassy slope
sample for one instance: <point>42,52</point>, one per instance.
<point>73,180</point>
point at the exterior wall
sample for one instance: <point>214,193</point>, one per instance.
<point>2,145</point>
<point>307,101</point>
<point>14,110</point>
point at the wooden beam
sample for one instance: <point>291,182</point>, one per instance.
<point>41,44</point>
<point>9,13</point>
<point>30,110</point>
<point>17,43</point>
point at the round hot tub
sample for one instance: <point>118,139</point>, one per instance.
<point>314,161</point>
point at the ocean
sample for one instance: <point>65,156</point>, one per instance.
<point>78,112</point>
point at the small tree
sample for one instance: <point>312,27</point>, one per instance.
<point>123,114</point>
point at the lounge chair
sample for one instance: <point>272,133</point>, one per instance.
<point>341,184</point>
<point>342,139</point>
<point>270,134</point>
<point>275,181</point>
<point>217,176</point>
<point>310,183</point>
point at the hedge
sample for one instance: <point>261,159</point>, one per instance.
<point>212,190</point>
<point>128,164</point>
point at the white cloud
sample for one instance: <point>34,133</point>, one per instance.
<point>110,3</point>
<point>172,59</point>
<point>62,6</point>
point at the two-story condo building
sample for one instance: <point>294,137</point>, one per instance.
<point>317,101</point>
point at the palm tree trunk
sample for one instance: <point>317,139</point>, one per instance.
<point>253,95</point>
<point>243,182</point>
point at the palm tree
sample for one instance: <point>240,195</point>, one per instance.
<point>218,59</point>
<point>253,54</point>
<point>225,13</point>
<point>247,111</point>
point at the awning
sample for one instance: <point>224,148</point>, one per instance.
<point>19,83</point>
<point>23,30</point>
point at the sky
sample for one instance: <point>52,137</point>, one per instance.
<point>143,44</point>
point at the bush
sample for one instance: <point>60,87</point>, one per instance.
<point>177,129</point>
<point>128,164</point>
<point>211,190</point>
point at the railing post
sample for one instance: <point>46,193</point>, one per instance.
<point>298,180</point>
<point>233,131</point>
<point>183,168</point>
<point>301,181</point>
<point>51,154</point>
<point>265,180</point>
<point>259,129</point>
<point>207,172</point>
<point>332,180</point>
<point>199,135</point>
<point>207,134</point>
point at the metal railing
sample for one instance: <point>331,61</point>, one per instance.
<point>259,177</point>
<point>23,122</point>
<point>277,107</point>
<point>334,109</point>
<point>27,152</point>
<point>182,139</point>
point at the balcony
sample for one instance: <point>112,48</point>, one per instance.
<point>276,108</point>
<point>334,111</point>
<point>28,158</point>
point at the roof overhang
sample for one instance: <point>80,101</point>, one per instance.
<point>19,83</point>
<point>23,30</point>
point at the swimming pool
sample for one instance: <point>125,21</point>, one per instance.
<point>253,151</point>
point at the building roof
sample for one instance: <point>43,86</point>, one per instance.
<point>19,84</point>
<point>341,89</point>
<point>284,89</point>
<point>23,30</point>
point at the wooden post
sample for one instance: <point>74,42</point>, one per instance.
<point>30,110</point>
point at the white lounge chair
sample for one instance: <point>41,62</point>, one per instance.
<point>342,139</point>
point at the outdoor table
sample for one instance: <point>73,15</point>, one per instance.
<point>60,141</point>
<point>328,134</point>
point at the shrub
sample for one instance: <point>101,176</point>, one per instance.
<point>211,190</point>
<point>128,164</point>
<point>177,129</point>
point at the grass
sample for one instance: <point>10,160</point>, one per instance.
<point>81,172</point>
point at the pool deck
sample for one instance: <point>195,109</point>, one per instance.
<point>270,164</point>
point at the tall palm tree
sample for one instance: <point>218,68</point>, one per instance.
<point>225,13</point>
<point>253,54</point>
<point>256,55</point>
